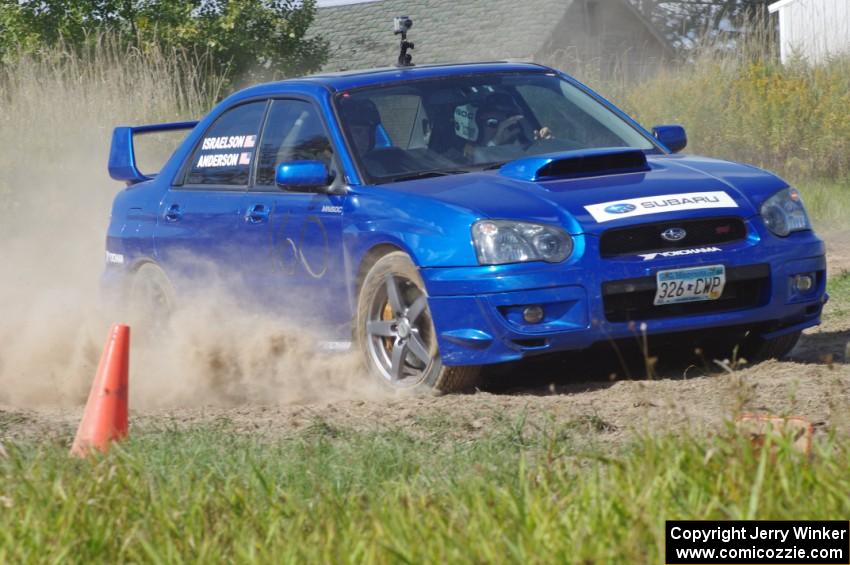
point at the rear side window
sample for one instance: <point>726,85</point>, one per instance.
<point>226,152</point>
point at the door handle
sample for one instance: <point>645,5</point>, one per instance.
<point>173,213</point>
<point>256,214</point>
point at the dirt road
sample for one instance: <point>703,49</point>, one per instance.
<point>699,399</point>
<point>580,392</point>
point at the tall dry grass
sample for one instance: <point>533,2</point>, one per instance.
<point>738,102</point>
<point>791,118</point>
<point>57,111</point>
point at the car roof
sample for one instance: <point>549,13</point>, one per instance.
<point>347,80</point>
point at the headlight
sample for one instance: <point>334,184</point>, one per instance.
<point>784,213</point>
<point>501,241</point>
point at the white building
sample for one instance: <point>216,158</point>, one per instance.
<point>813,29</point>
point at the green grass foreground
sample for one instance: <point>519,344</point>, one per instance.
<point>332,495</point>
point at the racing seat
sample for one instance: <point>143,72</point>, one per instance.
<point>371,141</point>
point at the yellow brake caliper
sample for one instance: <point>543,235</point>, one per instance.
<point>387,315</point>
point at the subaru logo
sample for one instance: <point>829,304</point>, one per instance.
<point>620,208</point>
<point>673,234</point>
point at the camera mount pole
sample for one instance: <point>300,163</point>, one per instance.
<point>405,59</point>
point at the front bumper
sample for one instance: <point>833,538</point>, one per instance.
<point>477,311</point>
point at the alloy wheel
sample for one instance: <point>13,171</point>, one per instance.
<point>400,332</point>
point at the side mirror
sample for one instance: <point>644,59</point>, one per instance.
<point>302,175</point>
<point>673,137</point>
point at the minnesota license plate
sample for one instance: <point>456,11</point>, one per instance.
<point>689,285</point>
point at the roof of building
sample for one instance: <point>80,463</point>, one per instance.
<point>444,30</point>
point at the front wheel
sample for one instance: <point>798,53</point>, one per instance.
<point>775,348</point>
<point>395,332</point>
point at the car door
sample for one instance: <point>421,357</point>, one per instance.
<point>199,214</point>
<point>296,264</point>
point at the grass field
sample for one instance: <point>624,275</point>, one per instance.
<point>332,495</point>
<point>827,201</point>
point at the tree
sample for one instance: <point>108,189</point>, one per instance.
<point>246,39</point>
<point>689,22</point>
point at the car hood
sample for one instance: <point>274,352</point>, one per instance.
<point>670,187</point>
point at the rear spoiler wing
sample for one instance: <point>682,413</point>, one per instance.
<point>122,156</point>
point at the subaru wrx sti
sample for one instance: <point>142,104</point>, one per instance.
<point>441,218</point>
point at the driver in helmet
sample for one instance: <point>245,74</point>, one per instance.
<point>501,123</point>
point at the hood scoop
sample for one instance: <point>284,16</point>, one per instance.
<point>577,164</point>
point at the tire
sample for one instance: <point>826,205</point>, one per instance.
<point>150,298</point>
<point>753,349</point>
<point>777,348</point>
<point>395,333</point>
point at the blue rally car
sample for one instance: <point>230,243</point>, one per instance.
<point>441,218</point>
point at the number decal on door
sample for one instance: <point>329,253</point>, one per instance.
<point>288,240</point>
<point>285,250</point>
<point>315,266</point>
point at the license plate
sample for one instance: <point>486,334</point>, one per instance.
<point>689,285</point>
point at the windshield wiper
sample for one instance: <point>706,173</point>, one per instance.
<point>427,175</point>
<point>492,166</point>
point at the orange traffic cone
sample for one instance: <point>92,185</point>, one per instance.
<point>105,416</point>
<point>758,427</point>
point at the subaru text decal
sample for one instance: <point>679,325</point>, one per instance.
<point>614,210</point>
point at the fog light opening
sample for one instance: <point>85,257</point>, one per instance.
<point>533,314</point>
<point>804,283</point>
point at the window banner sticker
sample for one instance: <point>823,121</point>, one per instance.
<point>465,124</point>
<point>245,159</point>
<point>229,142</point>
<point>218,160</point>
<point>617,209</point>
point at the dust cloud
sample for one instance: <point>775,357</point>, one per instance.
<point>214,351</point>
<point>56,119</point>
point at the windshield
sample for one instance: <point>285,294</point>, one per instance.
<point>456,124</point>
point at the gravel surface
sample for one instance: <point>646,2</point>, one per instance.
<point>593,391</point>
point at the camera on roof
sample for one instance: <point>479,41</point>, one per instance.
<point>402,24</point>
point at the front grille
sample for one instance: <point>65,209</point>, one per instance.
<point>632,299</point>
<point>646,238</point>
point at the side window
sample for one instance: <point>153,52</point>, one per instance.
<point>226,152</point>
<point>294,131</point>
